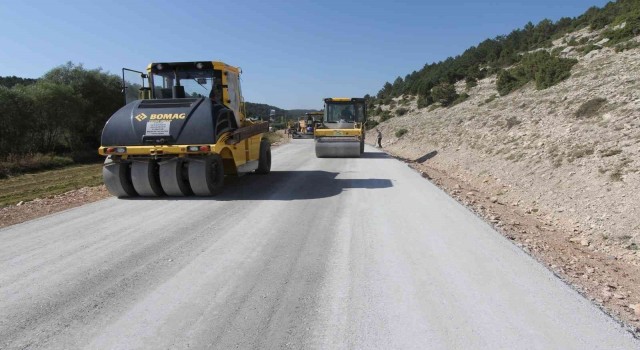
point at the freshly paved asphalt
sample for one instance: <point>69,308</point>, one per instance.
<point>320,254</point>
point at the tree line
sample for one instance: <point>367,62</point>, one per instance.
<point>63,112</point>
<point>433,83</point>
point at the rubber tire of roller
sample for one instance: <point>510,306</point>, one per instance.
<point>171,178</point>
<point>264,162</point>
<point>206,175</point>
<point>316,149</point>
<point>117,178</point>
<point>145,177</point>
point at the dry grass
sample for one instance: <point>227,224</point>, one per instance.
<point>276,137</point>
<point>48,183</point>
<point>29,163</point>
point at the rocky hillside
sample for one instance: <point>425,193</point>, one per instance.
<point>579,139</point>
<point>568,155</point>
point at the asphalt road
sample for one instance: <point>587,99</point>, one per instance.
<point>322,253</point>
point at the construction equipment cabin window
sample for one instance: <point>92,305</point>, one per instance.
<point>344,112</point>
<point>196,82</point>
<point>233,90</point>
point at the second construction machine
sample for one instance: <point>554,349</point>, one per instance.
<point>307,124</point>
<point>182,136</point>
<point>341,133</point>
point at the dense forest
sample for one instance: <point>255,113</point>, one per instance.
<point>433,83</point>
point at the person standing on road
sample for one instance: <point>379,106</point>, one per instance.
<point>379,138</point>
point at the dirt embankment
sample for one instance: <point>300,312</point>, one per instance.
<point>557,170</point>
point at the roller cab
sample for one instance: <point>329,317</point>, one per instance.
<point>181,138</point>
<point>341,132</point>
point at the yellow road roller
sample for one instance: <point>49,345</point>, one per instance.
<point>182,136</point>
<point>307,124</point>
<point>341,132</point>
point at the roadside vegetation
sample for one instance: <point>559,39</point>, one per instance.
<point>541,67</point>
<point>45,184</point>
<point>55,120</point>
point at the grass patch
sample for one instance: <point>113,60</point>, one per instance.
<point>16,165</point>
<point>401,132</point>
<point>578,152</point>
<point>511,122</point>
<point>48,183</point>
<point>610,152</point>
<point>590,108</point>
<point>616,175</point>
<point>491,98</point>
<point>590,47</point>
<point>631,44</point>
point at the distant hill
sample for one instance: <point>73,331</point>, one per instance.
<point>253,109</point>
<point>262,110</point>
<point>295,113</point>
<point>12,81</point>
<point>617,22</point>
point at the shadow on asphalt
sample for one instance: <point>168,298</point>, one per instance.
<point>285,186</point>
<point>375,155</point>
<point>293,185</point>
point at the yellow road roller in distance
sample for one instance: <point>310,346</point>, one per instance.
<point>341,132</point>
<point>184,135</point>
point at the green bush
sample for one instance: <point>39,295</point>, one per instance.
<point>461,98</point>
<point>590,47</point>
<point>543,68</point>
<point>508,82</point>
<point>424,101</point>
<point>471,82</point>
<point>444,93</point>
<point>551,70</point>
<point>491,98</point>
<point>401,111</point>
<point>370,124</point>
<point>630,29</point>
<point>386,115</point>
<point>631,44</point>
<point>401,132</point>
